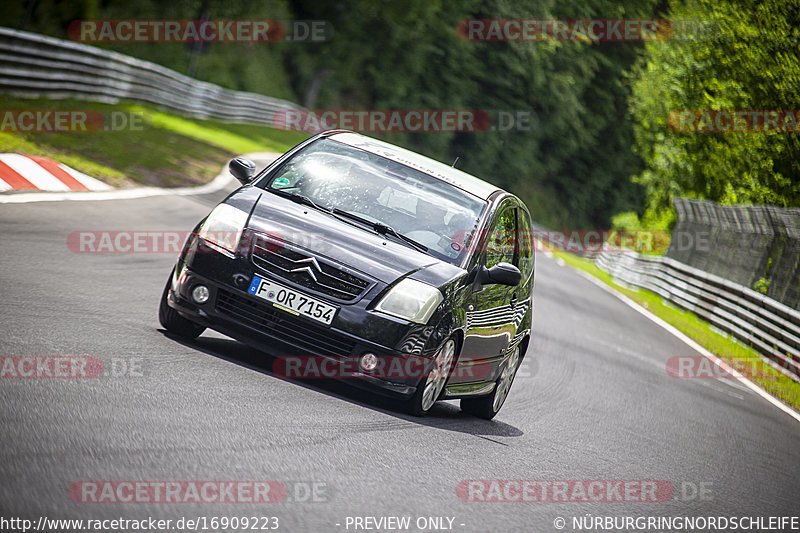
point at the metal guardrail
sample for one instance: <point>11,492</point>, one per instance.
<point>768,326</point>
<point>33,65</point>
<point>748,244</point>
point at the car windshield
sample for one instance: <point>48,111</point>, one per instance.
<point>334,175</point>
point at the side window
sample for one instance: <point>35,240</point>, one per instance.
<point>501,243</point>
<point>525,243</point>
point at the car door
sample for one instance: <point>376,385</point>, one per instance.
<point>490,325</point>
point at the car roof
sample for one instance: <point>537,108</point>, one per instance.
<point>453,176</point>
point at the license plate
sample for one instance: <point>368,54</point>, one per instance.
<point>292,301</point>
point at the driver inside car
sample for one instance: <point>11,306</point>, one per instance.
<point>430,217</point>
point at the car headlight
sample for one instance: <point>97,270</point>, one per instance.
<point>412,300</point>
<point>223,227</point>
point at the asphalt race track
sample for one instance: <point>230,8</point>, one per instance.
<point>592,401</point>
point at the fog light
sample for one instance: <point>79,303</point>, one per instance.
<point>369,362</point>
<point>200,294</point>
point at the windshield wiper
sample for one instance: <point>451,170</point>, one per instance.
<point>335,213</point>
<point>381,228</point>
<point>299,199</point>
<point>384,229</point>
<point>302,199</point>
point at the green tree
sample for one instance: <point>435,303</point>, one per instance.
<point>573,165</point>
<point>725,55</point>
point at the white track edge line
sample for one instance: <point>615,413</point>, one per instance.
<point>692,344</point>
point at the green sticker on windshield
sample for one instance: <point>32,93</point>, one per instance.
<point>280,182</point>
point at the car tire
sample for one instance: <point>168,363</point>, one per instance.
<point>174,322</point>
<point>431,387</point>
<point>488,406</point>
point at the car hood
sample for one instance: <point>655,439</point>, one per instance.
<point>324,235</point>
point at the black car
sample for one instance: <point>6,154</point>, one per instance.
<point>399,273</point>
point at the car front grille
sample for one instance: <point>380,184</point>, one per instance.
<point>262,316</point>
<point>306,270</point>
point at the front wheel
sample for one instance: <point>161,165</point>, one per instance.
<point>174,322</point>
<point>430,389</point>
<point>488,406</point>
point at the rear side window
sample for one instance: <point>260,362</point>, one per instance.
<point>525,237</point>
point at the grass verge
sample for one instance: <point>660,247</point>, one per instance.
<point>743,358</point>
<point>144,145</point>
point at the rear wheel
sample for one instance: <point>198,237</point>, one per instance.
<point>172,321</point>
<point>430,389</point>
<point>488,406</point>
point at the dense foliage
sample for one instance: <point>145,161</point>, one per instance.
<point>598,142</point>
<point>572,165</point>
<point>725,55</point>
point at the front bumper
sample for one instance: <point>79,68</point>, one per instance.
<point>233,311</point>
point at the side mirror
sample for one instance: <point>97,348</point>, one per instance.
<point>501,274</point>
<point>242,169</point>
